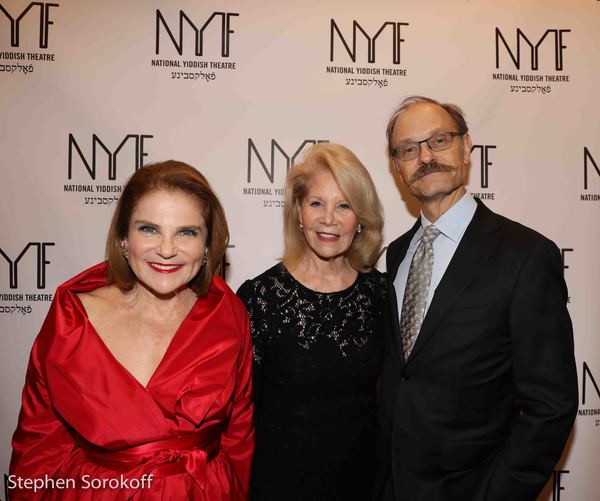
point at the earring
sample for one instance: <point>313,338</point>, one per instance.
<point>359,228</point>
<point>205,256</point>
<point>301,225</point>
<point>124,250</point>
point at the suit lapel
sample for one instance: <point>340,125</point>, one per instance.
<point>393,313</point>
<point>478,242</point>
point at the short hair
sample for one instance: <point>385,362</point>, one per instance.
<point>453,110</point>
<point>357,187</point>
<point>170,176</point>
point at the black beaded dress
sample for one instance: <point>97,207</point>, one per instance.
<point>316,363</point>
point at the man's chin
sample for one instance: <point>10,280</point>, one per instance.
<point>439,192</point>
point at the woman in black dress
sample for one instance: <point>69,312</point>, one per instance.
<point>317,346</point>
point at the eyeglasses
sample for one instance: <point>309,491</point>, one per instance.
<point>438,142</point>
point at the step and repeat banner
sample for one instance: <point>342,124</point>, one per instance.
<point>90,91</point>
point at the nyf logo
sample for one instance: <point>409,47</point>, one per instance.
<point>483,151</point>
<point>199,32</point>
<point>136,142</point>
<point>393,29</point>
<point>588,161</point>
<point>515,52</point>
<point>563,255</point>
<point>41,262</point>
<point>45,22</point>
<point>587,374</point>
<point>557,483</point>
<point>289,159</point>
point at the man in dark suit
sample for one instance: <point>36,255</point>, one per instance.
<point>479,385</point>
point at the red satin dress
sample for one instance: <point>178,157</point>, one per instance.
<point>85,420</point>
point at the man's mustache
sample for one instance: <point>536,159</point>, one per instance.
<point>428,168</point>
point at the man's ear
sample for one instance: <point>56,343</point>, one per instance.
<point>467,146</point>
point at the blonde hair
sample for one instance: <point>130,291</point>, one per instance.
<point>171,176</point>
<point>357,187</point>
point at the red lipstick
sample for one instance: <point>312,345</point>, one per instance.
<point>165,268</point>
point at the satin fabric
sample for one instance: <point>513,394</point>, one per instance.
<point>77,393</point>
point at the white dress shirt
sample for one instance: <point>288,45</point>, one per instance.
<point>452,226</point>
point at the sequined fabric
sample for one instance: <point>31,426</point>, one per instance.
<point>316,363</point>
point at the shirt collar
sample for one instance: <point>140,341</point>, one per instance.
<point>455,220</point>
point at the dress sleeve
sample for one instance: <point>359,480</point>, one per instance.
<point>246,293</point>
<point>41,441</point>
<point>238,438</point>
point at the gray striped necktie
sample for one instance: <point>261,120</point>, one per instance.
<point>417,290</point>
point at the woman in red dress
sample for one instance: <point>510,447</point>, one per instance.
<point>138,386</point>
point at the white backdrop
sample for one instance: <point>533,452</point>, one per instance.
<point>243,89</point>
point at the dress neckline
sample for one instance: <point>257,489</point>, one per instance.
<point>178,334</point>
<point>293,279</point>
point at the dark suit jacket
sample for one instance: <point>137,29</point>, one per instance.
<point>482,408</point>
